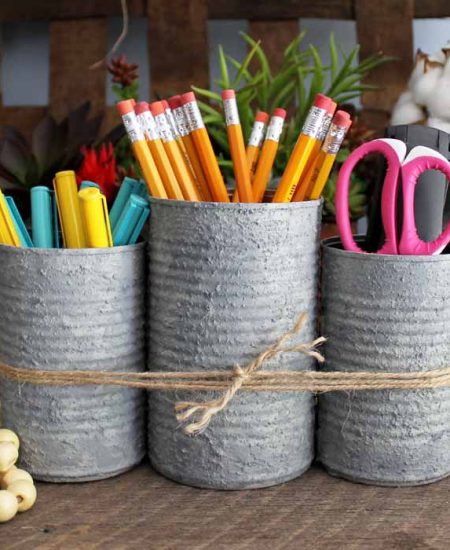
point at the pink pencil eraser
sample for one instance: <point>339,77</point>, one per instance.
<point>157,108</point>
<point>322,101</point>
<point>332,107</point>
<point>261,116</point>
<point>141,107</point>
<point>228,94</point>
<point>165,104</point>
<point>174,101</point>
<point>187,98</point>
<point>125,106</point>
<point>280,112</point>
<point>342,118</point>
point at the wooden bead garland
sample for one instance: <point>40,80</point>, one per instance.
<point>18,492</point>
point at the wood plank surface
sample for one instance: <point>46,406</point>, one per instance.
<point>74,46</point>
<point>275,36</point>
<point>141,509</point>
<point>178,45</point>
<point>386,25</point>
<point>11,10</point>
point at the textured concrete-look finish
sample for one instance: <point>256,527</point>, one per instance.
<point>385,313</point>
<point>225,281</point>
<point>68,310</point>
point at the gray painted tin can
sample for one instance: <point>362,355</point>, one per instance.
<point>68,310</point>
<point>226,280</point>
<point>385,313</point>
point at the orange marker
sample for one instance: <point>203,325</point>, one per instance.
<point>155,144</point>
<point>204,148</point>
<point>302,150</point>
<point>255,141</point>
<point>237,147</point>
<point>301,190</point>
<point>321,169</point>
<point>184,177</point>
<point>268,154</point>
<point>183,130</point>
<point>140,149</point>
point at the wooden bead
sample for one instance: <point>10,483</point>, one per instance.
<point>8,455</point>
<point>8,506</point>
<point>9,435</point>
<point>14,474</point>
<point>25,492</point>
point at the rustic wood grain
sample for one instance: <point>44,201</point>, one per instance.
<point>140,509</point>
<point>275,36</point>
<point>11,10</point>
<point>74,46</point>
<point>386,25</point>
<point>178,45</point>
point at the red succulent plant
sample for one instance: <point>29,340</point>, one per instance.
<point>99,166</point>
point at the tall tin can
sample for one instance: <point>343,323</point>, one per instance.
<point>392,314</point>
<point>226,280</point>
<point>74,310</point>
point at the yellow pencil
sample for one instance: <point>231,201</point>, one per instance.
<point>184,176</point>
<point>303,185</point>
<point>237,147</point>
<point>140,149</point>
<point>155,144</point>
<point>302,149</point>
<point>66,194</point>
<point>256,140</point>
<point>204,148</point>
<point>321,169</point>
<point>268,154</point>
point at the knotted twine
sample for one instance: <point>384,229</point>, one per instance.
<point>247,378</point>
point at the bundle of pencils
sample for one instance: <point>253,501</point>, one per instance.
<point>171,143</point>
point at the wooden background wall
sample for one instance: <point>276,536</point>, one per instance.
<point>177,42</point>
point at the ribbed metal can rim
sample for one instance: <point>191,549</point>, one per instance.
<point>236,206</point>
<point>79,252</point>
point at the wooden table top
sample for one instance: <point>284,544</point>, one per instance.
<point>141,509</point>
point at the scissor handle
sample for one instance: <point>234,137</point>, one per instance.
<point>410,242</point>
<point>393,150</point>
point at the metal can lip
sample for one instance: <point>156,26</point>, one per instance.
<point>203,205</point>
<point>79,252</point>
<point>332,246</point>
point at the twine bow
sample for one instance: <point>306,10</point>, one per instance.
<point>208,409</point>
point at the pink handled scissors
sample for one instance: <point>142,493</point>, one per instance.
<point>400,171</point>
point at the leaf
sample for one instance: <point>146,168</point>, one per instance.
<point>284,97</point>
<point>14,160</point>
<point>245,64</point>
<point>46,143</point>
<point>208,109</point>
<point>343,71</point>
<point>292,47</point>
<point>223,68</point>
<point>219,138</point>
<point>213,96</point>
<point>333,57</point>
<point>238,66</point>
<point>259,53</point>
<point>318,77</point>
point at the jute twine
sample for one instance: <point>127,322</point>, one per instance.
<point>247,378</point>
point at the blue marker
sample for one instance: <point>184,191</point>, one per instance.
<point>131,221</point>
<point>44,218</point>
<point>24,236</point>
<point>129,186</point>
<point>86,183</point>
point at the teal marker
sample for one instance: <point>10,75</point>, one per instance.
<point>129,186</point>
<point>24,236</point>
<point>86,183</point>
<point>131,221</point>
<point>142,190</point>
<point>44,218</point>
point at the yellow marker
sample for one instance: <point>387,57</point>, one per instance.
<point>321,169</point>
<point>94,213</point>
<point>140,149</point>
<point>268,154</point>
<point>8,233</point>
<point>184,176</point>
<point>303,185</point>
<point>302,149</point>
<point>155,144</point>
<point>66,193</point>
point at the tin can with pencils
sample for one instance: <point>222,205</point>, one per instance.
<point>74,309</point>
<point>385,313</point>
<point>226,280</point>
